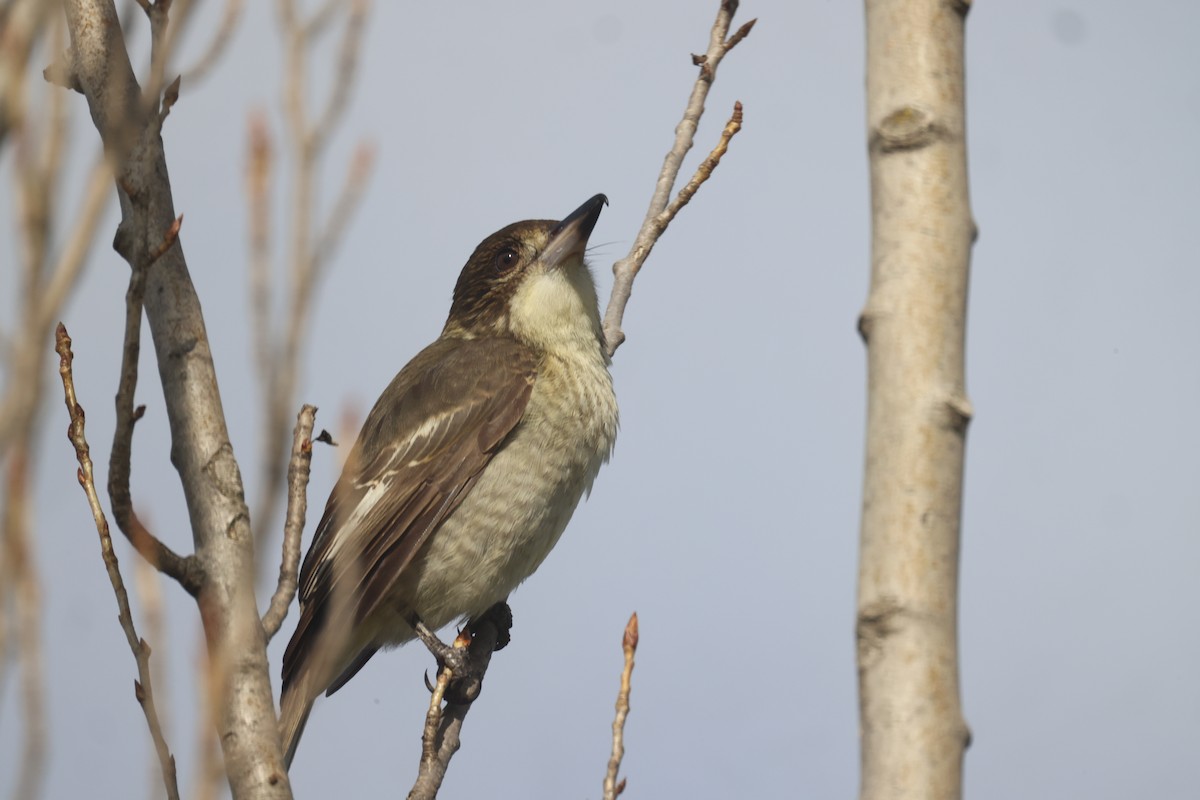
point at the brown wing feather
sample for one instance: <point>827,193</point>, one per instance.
<point>430,434</point>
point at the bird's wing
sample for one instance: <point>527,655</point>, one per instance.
<point>422,447</point>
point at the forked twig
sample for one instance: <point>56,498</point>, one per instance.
<point>185,570</point>
<point>662,209</point>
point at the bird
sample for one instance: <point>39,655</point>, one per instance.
<point>468,467</point>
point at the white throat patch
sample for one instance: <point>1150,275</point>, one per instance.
<point>556,308</point>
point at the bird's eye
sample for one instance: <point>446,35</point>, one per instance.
<point>507,259</point>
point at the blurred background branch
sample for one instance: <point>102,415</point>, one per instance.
<point>52,243</point>
<point>279,338</point>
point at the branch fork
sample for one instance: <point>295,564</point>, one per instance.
<point>662,207</point>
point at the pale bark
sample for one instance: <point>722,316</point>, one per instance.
<point>662,207</point>
<point>912,729</point>
<point>200,448</point>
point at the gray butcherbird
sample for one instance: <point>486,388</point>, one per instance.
<point>469,466</point>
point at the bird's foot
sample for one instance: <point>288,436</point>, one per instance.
<point>468,658</point>
<point>453,656</point>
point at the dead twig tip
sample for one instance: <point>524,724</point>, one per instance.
<point>172,94</point>
<point>741,33</point>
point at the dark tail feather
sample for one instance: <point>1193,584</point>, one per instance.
<point>294,706</point>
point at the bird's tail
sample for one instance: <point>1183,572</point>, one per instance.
<point>295,703</point>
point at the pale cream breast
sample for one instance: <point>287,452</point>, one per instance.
<point>522,501</point>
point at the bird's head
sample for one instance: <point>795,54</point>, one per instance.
<point>529,280</point>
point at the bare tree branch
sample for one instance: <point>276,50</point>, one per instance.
<point>200,449</point>
<point>147,583</point>
<point>440,739</point>
<point>657,216</point>
<point>913,734</point>
<point>629,643</point>
<point>703,173</point>
<point>185,570</point>
<point>168,19</point>
<point>433,717</point>
<point>297,506</point>
<point>143,687</point>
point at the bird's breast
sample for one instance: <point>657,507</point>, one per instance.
<point>523,499</point>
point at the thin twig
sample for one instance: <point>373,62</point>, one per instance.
<point>146,583</point>
<point>703,172</point>
<point>297,506</point>
<point>440,739</point>
<point>159,15</point>
<point>169,98</point>
<point>143,687</point>
<point>742,33</point>
<point>625,270</point>
<point>433,717</point>
<point>629,643</point>
<point>185,570</point>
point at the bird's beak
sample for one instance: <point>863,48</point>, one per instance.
<point>569,237</point>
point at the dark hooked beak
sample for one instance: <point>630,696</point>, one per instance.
<point>569,237</point>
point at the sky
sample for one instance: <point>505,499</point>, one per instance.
<point>728,516</point>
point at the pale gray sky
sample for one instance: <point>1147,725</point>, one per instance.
<point>728,517</point>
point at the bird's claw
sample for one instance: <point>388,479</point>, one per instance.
<point>461,689</point>
<point>466,676</point>
<point>446,655</point>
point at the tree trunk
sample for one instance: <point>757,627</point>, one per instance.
<point>912,729</point>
